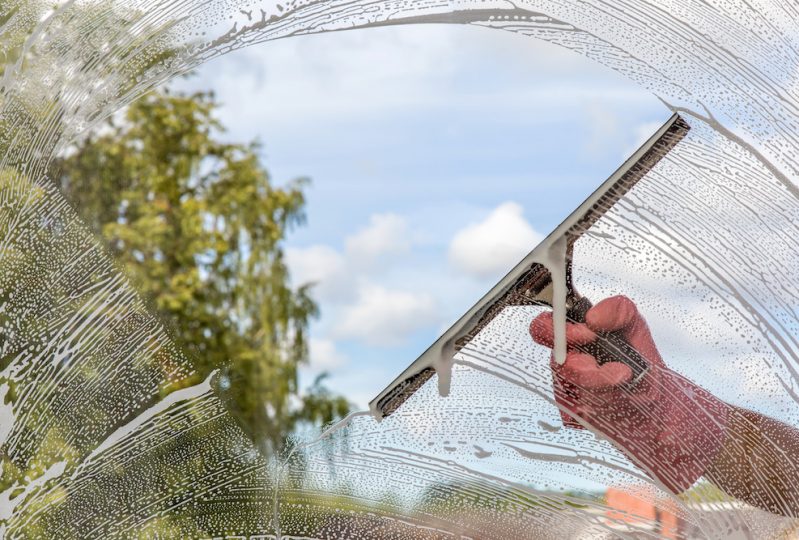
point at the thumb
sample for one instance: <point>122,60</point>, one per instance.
<point>620,314</point>
<point>612,314</point>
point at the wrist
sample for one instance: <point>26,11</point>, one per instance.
<point>692,432</point>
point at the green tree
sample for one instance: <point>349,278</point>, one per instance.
<point>199,227</point>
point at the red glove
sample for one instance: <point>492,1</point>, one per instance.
<point>665,423</point>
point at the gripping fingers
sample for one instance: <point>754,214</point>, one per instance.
<point>582,370</point>
<point>543,332</point>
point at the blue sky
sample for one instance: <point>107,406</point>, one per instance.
<point>439,155</point>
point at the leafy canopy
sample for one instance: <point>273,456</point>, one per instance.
<point>199,227</point>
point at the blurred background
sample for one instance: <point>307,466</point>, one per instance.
<point>438,156</point>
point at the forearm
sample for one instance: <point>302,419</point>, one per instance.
<point>757,462</point>
<point>747,455</point>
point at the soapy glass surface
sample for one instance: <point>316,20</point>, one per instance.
<point>113,446</point>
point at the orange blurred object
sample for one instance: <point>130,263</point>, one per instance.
<point>640,508</point>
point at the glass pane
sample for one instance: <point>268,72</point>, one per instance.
<point>124,412</point>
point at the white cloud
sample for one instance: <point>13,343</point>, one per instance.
<point>321,265</point>
<point>324,356</point>
<point>387,234</point>
<point>335,275</point>
<point>385,317</point>
<point>491,247</point>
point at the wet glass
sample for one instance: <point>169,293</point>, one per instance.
<point>109,429</point>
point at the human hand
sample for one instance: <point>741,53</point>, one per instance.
<point>665,423</point>
<point>583,387</point>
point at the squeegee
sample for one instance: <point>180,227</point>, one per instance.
<point>539,280</point>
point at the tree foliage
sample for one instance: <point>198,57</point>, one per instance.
<point>199,226</point>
